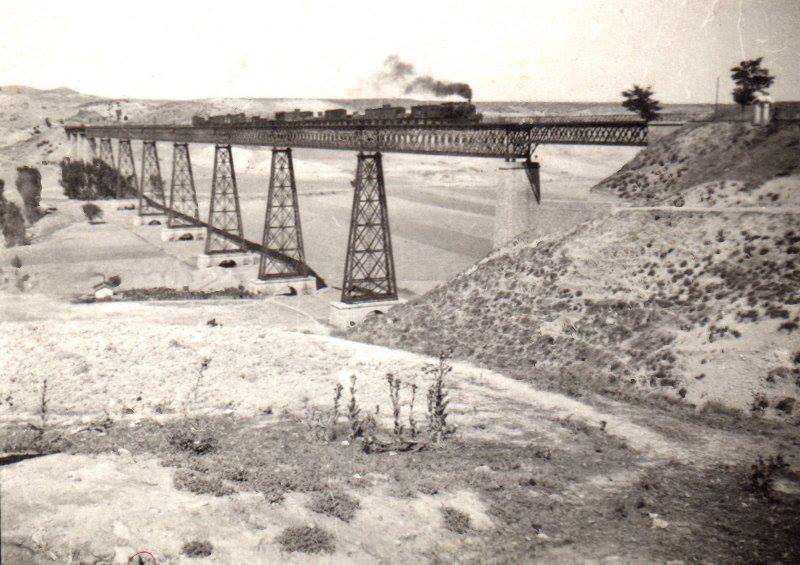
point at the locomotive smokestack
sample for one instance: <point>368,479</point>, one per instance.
<point>397,71</point>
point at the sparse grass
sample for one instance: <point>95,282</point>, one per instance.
<point>306,539</point>
<point>336,504</point>
<point>278,460</point>
<point>455,520</point>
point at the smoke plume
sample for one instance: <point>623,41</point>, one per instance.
<point>397,71</point>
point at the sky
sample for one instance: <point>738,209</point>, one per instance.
<point>531,50</point>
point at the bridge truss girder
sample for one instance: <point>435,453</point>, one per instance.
<point>505,141</point>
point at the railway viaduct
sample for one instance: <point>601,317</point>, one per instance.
<point>369,283</point>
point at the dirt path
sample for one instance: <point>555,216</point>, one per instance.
<point>711,209</point>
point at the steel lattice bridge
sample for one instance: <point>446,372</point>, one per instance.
<point>369,266</point>
<point>500,139</point>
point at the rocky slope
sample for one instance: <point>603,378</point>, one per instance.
<point>699,305</point>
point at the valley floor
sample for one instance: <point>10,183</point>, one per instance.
<point>541,477</point>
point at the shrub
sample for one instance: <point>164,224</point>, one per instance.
<point>89,181</point>
<point>92,211</point>
<point>762,474</point>
<point>354,412</point>
<point>12,222</point>
<point>189,438</point>
<point>19,278</point>
<point>437,399</point>
<point>786,405</point>
<point>306,539</point>
<point>321,423</point>
<point>394,396</point>
<point>29,186</point>
<point>455,520</point>
<point>199,483</point>
<point>196,548</point>
<point>759,404</point>
<point>336,504</point>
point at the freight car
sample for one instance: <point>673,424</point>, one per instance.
<point>295,115</point>
<point>385,112</point>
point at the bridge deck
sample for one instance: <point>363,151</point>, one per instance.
<point>483,139</point>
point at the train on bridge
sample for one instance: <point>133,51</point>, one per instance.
<point>422,114</point>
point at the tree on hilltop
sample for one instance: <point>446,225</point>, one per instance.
<point>750,78</point>
<point>641,101</point>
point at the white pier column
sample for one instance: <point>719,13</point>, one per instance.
<point>73,147</point>
<point>515,207</point>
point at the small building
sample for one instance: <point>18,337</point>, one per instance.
<point>762,110</point>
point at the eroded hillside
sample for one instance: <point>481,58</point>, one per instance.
<point>710,164</point>
<point>700,305</point>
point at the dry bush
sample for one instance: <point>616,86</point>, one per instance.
<point>197,548</point>
<point>200,483</point>
<point>455,520</point>
<point>306,539</point>
<point>336,504</point>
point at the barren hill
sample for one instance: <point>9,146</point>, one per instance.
<point>698,305</point>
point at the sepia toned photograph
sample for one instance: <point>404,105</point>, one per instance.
<point>400,282</point>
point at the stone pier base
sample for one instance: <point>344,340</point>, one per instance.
<point>344,316</point>
<point>241,258</point>
<point>183,233</point>
<point>270,287</point>
<point>150,219</point>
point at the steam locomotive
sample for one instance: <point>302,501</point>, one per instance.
<point>447,112</point>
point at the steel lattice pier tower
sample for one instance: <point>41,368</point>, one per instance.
<point>126,168</point>
<point>369,266</point>
<point>224,213</point>
<point>106,152</point>
<point>182,194</point>
<point>151,187</point>
<point>282,230</point>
